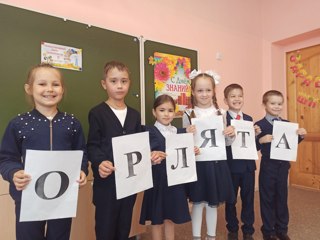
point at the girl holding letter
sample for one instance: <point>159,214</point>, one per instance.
<point>163,205</point>
<point>43,128</point>
<point>214,185</point>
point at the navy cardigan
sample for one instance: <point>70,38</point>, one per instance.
<point>31,130</point>
<point>103,126</point>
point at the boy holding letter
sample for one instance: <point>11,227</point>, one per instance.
<point>273,177</point>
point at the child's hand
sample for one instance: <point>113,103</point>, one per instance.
<point>196,150</point>
<point>229,131</point>
<point>257,130</point>
<point>266,139</point>
<point>106,168</point>
<point>157,156</point>
<point>191,129</point>
<point>83,179</point>
<point>301,132</point>
<point>21,180</point>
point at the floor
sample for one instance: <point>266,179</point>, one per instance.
<point>304,207</point>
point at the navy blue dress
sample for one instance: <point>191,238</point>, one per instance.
<point>214,185</point>
<point>162,202</point>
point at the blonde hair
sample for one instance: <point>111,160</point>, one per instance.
<point>31,77</point>
<point>33,70</point>
<point>214,98</point>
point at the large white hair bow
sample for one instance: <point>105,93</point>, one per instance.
<point>211,73</point>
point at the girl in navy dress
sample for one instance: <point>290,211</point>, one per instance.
<point>43,128</point>
<point>163,205</point>
<point>214,185</point>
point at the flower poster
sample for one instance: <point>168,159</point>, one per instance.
<point>61,56</point>
<point>171,76</point>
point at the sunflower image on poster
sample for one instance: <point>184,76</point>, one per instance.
<point>171,77</point>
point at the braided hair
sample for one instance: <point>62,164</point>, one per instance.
<point>214,98</point>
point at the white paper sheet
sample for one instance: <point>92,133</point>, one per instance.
<point>180,161</point>
<point>132,159</point>
<point>209,138</point>
<point>53,190</point>
<point>284,145</point>
<point>244,145</point>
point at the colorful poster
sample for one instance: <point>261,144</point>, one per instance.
<point>61,56</point>
<point>171,76</point>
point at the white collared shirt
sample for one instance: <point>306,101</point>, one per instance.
<point>234,114</point>
<point>165,130</point>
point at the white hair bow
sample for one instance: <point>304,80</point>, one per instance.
<point>211,73</point>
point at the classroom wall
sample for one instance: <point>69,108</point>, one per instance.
<point>246,33</point>
<point>252,36</point>
<point>287,25</point>
<point>208,26</point>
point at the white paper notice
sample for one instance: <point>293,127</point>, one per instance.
<point>53,191</point>
<point>244,145</point>
<point>284,145</point>
<point>180,160</point>
<point>209,138</point>
<point>132,159</point>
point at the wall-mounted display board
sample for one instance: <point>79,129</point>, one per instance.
<point>21,34</point>
<point>150,47</point>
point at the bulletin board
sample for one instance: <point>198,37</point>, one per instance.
<point>150,47</point>
<point>21,34</point>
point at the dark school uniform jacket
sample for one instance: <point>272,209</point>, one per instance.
<point>239,165</point>
<point>31,130</point>
<point>103,126</point>
<point>267,128</point>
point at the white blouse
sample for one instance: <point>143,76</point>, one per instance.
<point>165,130</point>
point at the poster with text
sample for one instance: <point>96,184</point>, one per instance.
<point>53,190</point>
<point>61,56</point>
<point>171,77</point>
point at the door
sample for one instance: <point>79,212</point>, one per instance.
<point>303,88</point>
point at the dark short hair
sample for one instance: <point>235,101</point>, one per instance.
<point>270,93</point>
<point>231,87</point>
<point>114,64</point>
<point>163,99</point>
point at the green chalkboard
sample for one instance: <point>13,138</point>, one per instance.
<point>21,33</point>
<point>150,47</point>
